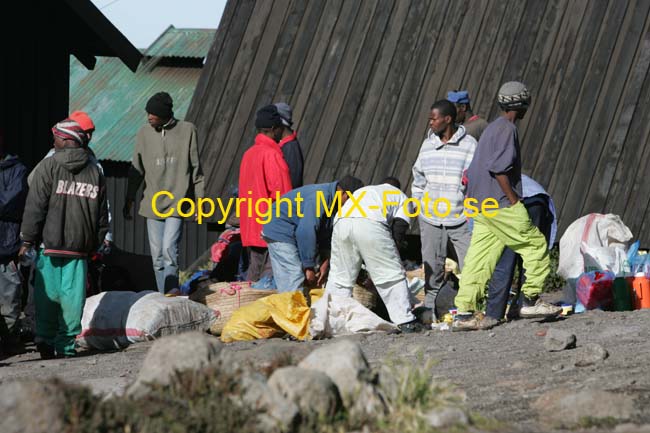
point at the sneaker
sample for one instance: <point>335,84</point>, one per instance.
<point>538,309</point>
<point>487,322</point>
<point>411,327</point>
<point>465,322</point>
<point>46,351</point>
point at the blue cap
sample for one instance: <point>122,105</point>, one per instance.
<point>459,97</point>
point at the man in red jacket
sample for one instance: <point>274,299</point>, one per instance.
<point>263,174</point>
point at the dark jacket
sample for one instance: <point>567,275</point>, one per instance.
<point>13,193</point>
<point>311,231</point>
<point>293,156</point>
<point>66,206</point>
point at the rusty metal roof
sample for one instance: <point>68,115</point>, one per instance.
<point>115,98</point>
<point>194,43</point>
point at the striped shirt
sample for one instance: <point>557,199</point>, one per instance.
<point>438,174</point>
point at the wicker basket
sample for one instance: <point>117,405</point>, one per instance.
<point>366,297</point>
<point>225,298</point>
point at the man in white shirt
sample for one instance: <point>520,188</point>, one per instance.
<point>364,234</point>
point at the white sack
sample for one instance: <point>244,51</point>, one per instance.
<point>596,230</point>
<point>114,320</point>
<point>334,316</point>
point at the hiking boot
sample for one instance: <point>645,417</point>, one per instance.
<point>536,308</point>
<point>411,327</point>
<point>465,322</point>
<point>424,315</point>
<point>487,322</point>
<point>46,351</point>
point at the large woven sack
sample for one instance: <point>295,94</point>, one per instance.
<point>113,320</point>
<point>224,298</point>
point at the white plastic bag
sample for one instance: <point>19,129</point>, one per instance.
<point>114,320</point>
<point>596,230</point>
<point>334,316</point>
<point>612,259</point>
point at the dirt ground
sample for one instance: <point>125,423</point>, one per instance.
<point>502,371</point>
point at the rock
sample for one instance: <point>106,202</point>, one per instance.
<point>31,407</point>
<point>312,391</point>
<point>189,351</point>
<point>265,357</point>
<point>557,340</point>
<point>566,407</point>
<point>447,417</point>
<point>345,363</point>
<point>274,411</point>
<point>590,354</point>
<point>389,381</point>
<point>558,367</point>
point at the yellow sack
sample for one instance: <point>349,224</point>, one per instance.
<point>315,295</point>
<point>272,316</point>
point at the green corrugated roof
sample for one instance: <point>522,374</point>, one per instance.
<point>115,98</point>
<point>175,42</point>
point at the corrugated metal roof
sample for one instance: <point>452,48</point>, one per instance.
<point>115,97</point>
<point>194,43</point>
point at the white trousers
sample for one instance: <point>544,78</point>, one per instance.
<point>360,240</point>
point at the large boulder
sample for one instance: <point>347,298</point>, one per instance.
<point>190,351</point>
<point>31,407</point>
<point>347,366</point>
<point>274,412</point>
<point>313,391</point>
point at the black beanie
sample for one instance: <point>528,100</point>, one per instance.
<point>268,117</point>
<point>350,183</point>
<point>161,105</point>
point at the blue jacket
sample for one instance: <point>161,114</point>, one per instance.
<point>310,232</point>
<point>13,193</point>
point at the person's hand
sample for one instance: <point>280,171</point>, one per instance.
<point>324,270</point>
<point>23,249</point>
<point>310,277</point>
<point>126,210</point>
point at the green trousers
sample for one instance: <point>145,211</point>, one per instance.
<point>59,297</point>
<point>510,227</point>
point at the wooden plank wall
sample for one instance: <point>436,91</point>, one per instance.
<point>361,76</point>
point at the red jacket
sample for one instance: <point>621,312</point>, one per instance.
<point>263,171</point>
